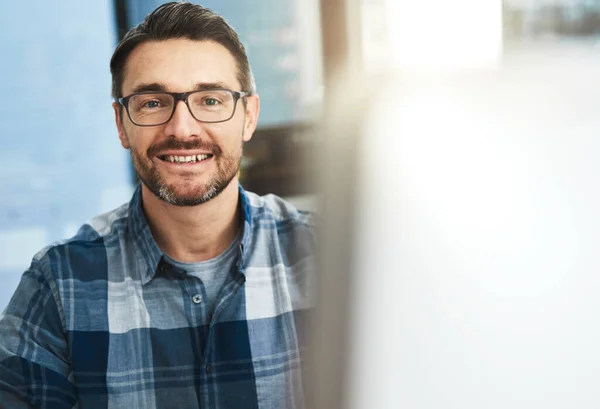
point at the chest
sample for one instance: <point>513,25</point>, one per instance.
<point>166,348</point>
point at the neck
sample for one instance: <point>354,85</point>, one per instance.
<point>194,233</point>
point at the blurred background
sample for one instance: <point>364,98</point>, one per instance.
<point>461,231</point>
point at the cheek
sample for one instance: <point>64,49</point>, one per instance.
<point>139,140</point>
<point>227,134</point>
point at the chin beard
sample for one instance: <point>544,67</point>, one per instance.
<point>228,166</point>
<point>202,195</point>
<point>151,178</point>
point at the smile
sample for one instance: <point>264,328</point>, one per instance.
<point>185,159</point>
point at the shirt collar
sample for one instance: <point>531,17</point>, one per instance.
<point>246,211</point>
<point>150,256</point>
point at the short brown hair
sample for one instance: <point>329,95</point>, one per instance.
<point>181,19</point>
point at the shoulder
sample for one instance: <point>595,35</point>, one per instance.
<point>281,232</point>
<point>273,209</point>
<point>86,249</point>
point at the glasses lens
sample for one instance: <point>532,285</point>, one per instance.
<point>150,109</point>
<point>212,106</point>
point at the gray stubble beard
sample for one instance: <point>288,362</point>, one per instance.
<point>153,181</point>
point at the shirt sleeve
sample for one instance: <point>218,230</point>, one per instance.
<point>34,359</point>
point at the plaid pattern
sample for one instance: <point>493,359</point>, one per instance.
<point>103,321</point>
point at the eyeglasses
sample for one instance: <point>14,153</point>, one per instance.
<point>157,108</point>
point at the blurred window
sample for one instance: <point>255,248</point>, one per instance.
<point>61,161</point>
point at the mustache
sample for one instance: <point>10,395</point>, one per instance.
<point>176,144</point>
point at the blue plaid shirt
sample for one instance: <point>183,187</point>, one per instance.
<point>103,321</point>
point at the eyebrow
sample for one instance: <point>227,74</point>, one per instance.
<point>149,87</point>
<point>161,87</point>
<point>210,85</point>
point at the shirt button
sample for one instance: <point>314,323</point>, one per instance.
<point>209,369</point>
<point>197,299</point>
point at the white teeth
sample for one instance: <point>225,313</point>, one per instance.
<point>185,159</point>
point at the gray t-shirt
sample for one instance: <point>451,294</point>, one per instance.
<point>213,273</point>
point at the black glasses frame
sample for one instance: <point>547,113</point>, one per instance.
<point>183,96</point>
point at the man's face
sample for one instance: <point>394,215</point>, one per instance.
<point>181,65</point>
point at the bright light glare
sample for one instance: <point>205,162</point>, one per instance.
<point>440,35</point>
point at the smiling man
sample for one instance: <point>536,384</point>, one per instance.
<point>195,293</point>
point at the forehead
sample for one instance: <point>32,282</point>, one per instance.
<point>180,64</point>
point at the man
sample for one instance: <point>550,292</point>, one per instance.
<point>193,294</point>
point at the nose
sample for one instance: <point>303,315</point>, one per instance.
<point>182,123</point>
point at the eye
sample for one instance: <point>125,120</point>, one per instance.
<point>211,101</point>
<point>152,104</point>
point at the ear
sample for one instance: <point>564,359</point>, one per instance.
<point>252,111</point>
<point>119,121</point>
